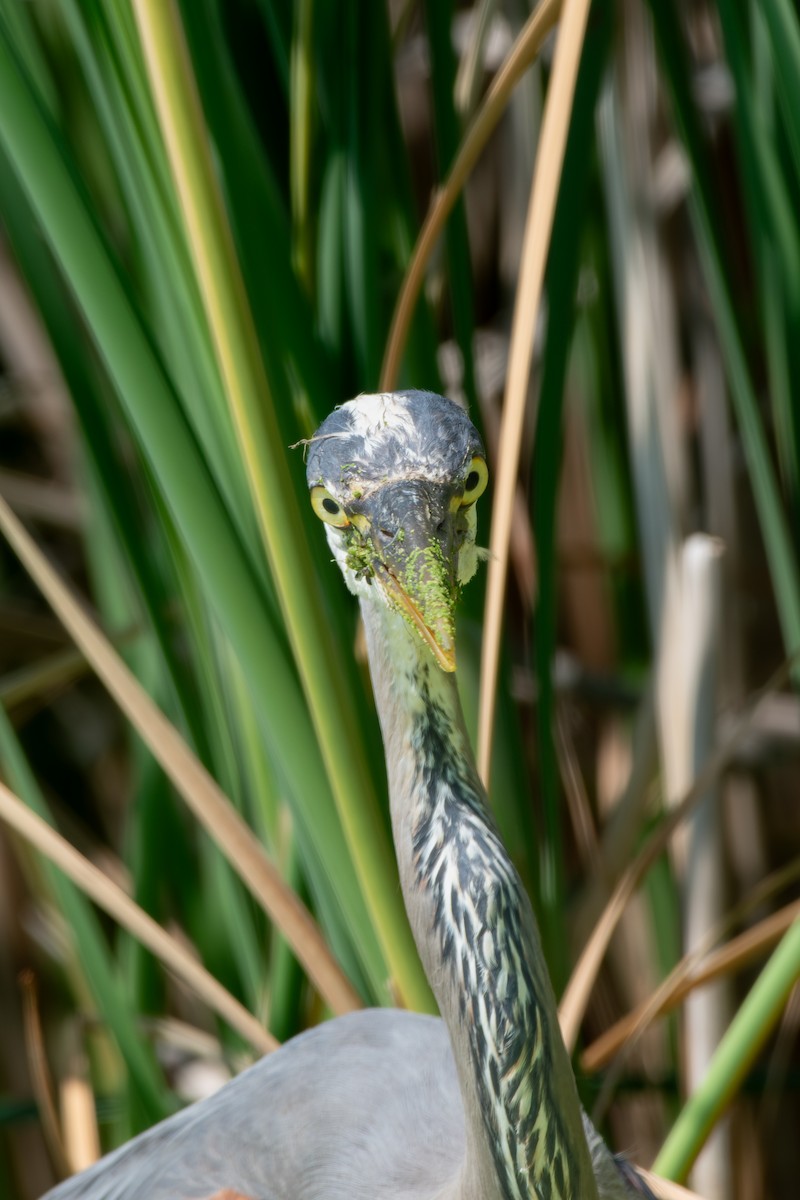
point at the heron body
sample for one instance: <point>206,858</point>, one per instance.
<point>481,1105</point>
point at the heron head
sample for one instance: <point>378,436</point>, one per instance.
<point>395,478</point>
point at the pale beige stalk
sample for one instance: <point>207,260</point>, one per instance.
<point>665,1189</point>
<point>77,1104</point>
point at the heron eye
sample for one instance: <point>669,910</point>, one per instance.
<point>327,508</point>
<point>477,478</point>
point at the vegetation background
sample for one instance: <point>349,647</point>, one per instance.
<point>207,211</point>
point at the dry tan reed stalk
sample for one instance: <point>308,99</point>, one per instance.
<point>113,900</point>
<point>522,54</point>
<point>535,247</point>
<point>193,782</point>
<point>579,988</point>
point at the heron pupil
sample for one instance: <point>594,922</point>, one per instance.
<point>473,479</point>
<point>330,506</point>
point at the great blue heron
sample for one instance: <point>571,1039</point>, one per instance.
<point>481,1105</point>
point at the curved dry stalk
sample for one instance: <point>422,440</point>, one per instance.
<point>522,54</point>
<point>40,1074</point>
<point>113,900</point>
<point>535,247</point>
<point>200,791</point>
<point>690,973</point>
<point>578,990</point>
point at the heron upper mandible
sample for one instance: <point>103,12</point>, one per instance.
<point>382,1104</point>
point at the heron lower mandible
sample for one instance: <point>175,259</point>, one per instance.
<point>380,1104</point>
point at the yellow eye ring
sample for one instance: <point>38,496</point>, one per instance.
<point>476,481</point>
<point>327,508</point>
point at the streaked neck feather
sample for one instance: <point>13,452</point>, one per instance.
<point>476,935</point>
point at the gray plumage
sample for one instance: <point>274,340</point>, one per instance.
<point>482,1105</point>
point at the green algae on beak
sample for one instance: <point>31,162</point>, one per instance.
<point>419,587</point>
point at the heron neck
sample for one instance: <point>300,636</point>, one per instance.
<point>476,935</point>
